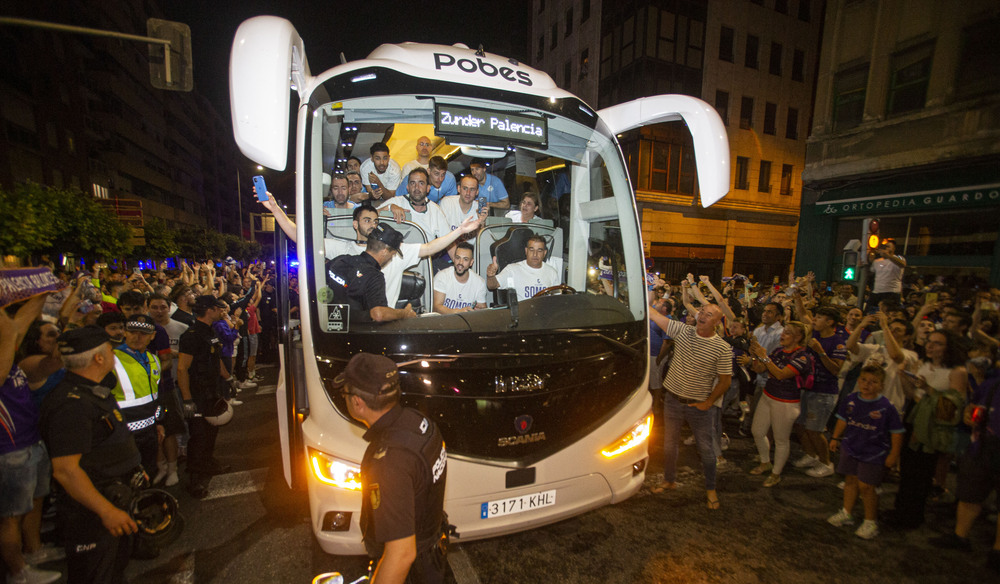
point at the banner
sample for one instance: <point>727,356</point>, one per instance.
<point>23,283</point>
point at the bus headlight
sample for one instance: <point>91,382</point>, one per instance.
<point>629,440</point>
<point>332,471</point>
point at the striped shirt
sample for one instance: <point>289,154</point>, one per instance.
<point>697,362</point>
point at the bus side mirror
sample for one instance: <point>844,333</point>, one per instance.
<point>170,65</point>
<point>267,60</point>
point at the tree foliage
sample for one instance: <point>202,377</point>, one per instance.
<point>161,241</point>
<point>40,219</point>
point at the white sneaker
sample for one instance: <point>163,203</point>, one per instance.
<point>820,470</point>
<point>724,441</point>
<point>806,461</point>
<point>172,479</point>
<point>689,440</point>
<point>840,519</point>
<point>30,575</point>
<point>161,474</point>
<point>868,530</point>
<point>46,553</point>
<point>841,485</point>
<point>248,385</point>
<point>235,402</point>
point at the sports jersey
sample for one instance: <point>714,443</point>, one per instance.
<point>457,294</point>
<point>527,281</point>
<point>787,390</point>
<point>448,188</point>
<point>453,214</point>
<point>835,348</point>
<point>869,423</point>
<point>492,188</point>
<point>391,178</point>
<point>432,221</point>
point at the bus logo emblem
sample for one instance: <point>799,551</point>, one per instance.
<point>523,424</point>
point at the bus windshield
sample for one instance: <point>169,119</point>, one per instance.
<point>571,171</point>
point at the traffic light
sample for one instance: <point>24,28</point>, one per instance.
<point>870,237</point>
<point>850,262</point>
<point>848,273</point>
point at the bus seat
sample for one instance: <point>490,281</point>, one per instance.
<point>411,291</point>
<point>490,220</point>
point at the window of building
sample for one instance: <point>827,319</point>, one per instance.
<point>781,6</point>
<point>753,46</point>
<point>567,74</point>
<point>695,43</point>
<point>722,105</point>
<point>849,89</point>
<point>569,22</point>
<point>726,44</point>
<point>746,113</point>
<point>911,71</point>
<point>584,11</point>
<point>792,124</point>
<point>540,54</point>
<point>798,65</point>
<point>770,115</point>
<point>742,173</point>
<point>584,63</point>
<point>775,68</point>
<point>541,6</point>
<point>764,180</point>
<point>554,35</point>
<point>665,167</point>
<point>606,51</point>
<point>628,41</point>
<point>786,179</point>
<point>804,10</point>
<point>979,68</point>
<point>665,46</point>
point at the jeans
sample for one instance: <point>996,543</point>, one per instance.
<point>702,425</point>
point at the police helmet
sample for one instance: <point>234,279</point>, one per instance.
<point>220,414</point>
<point>156,513</point>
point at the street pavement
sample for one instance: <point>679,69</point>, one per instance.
<point>253,529</point>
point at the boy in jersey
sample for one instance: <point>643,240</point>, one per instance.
<point>871,433</point>
<point>457,289</point>
<point>528,276</point>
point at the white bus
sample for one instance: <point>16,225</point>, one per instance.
<point>542,403</point>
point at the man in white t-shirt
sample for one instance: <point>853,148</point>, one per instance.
<point>381,172</point>
<point>458,289</point>
<point>458,208</point>
<point>528,276</point>
<point>888,270</point>
<point>425,214</point>
<point>890,356</point>
<point>424,147</point>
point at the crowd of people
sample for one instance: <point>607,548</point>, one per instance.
<point>113,378</point>
<point>901,386</point>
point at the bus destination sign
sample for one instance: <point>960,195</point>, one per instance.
<point>491,125</point>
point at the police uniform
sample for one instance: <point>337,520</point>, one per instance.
<point>82,417</point>
<point>358,282</point>
<point>403,479</point>
<point>205,383</point>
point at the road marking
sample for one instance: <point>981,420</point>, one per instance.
<point>185,575</point>
<point>266,389</point>
<point>461,566</point>
<point>236,483</point>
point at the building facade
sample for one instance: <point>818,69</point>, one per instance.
<point>80,112</point>
<point>907,129</point>
<point>755,61</point>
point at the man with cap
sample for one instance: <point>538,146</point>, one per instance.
<point>137,391</point>
<point>358,281</point>
<point>200,377</point>
<point>94,458</point>
<point>403,475</point>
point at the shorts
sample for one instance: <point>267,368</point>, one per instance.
<point>816,410</point>
<point>870,473</point>
<point>252,345</point>
<point>979,471</point>
<point>25,475</point>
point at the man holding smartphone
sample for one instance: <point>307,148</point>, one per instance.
<point>381,172</point>
<point>888,270</point>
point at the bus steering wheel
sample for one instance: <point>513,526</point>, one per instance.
<point>560,288</point>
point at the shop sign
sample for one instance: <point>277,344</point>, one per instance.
<point>913,202</point>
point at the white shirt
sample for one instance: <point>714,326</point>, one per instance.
<point>527,281</point>
<point>405,173</point>
<point>393,271</point>
<point>390,178</point>
<point>452,209</point>
<point>892,387</point>
<point>458,295</point>
<point>888,276</point>
<point>432,221</point>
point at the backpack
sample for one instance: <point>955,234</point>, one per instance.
<point>807,378</point>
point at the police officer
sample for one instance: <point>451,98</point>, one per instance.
<point>402,475</point>
<point>200,379</point>
<point>94,459</point>
<point>358,280</point>
<point>137,390</point>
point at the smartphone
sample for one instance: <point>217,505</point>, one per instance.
<point>137,271</point>
<point>258,183</point>
<point>482,204</point>
<point>932,297</point>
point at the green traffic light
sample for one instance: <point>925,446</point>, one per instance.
<point>849,273</point>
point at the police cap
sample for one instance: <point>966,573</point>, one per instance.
<point>206,301</point>
<point>368,373</point>
<point>81,340</point>
<point>387,235</point>
<point>140,323</point>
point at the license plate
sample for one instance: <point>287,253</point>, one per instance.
<point>517,504</point>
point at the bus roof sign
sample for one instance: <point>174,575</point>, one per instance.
<point>491,125</point>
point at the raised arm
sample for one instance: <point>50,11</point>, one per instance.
<point>280,217</point>
<point>435,245</point>
<point>720,301</point>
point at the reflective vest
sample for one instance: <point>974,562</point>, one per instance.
<point>137,389</point>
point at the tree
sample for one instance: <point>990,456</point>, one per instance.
<point>161,241</point>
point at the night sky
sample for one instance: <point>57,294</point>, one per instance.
<point>355,28</point>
